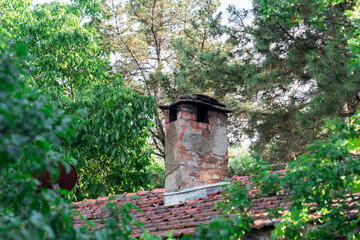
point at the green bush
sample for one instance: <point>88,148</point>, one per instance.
<point>327,174</point>
<point>240,160</point>
<point>157,173</point>
<point>28,144</point>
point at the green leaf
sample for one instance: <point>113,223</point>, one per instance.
<point>9,117</point>
<point>21,49</point>
<point>353,144</point>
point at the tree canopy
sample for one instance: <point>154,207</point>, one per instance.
<point>111,122</point>
<point>30,142</point>
<point>288,71</point>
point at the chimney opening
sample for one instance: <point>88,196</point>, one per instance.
<point>172,114</point>
<point>202,115</point>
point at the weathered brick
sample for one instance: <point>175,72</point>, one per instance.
<point>186,115</point>
<point>205,133</point>
<point>181,152</point>
<point>180,137</point>
<point>218,171</point>
<point>197,134</point>
<point>202,125</point>
<point>193,123</point>
<point>182,123</point>
<point>188,157</point>
<point>211,159</point>
<point>204,175</point>
<point>218,177</point>
<point>194,174</point>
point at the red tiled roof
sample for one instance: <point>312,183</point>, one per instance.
<point>183,218</point>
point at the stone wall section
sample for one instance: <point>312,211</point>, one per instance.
<point>196,152</point>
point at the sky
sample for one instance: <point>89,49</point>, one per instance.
<point>240,4</point>
<point>247,4</point>
<point>224,3</point>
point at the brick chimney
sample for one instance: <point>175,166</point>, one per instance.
<point>196,157</point>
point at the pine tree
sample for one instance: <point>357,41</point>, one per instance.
<point>287,73</point>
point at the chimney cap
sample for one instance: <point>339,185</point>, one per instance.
<point>198,100</point>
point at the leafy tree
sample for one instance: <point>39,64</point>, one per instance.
<point>157,173</point>
<point>287,72</point>
<point>330,170</point>
<point>111,137</point>
<point>69,66</point>
<point>30,141</point>
<point>239,160</point>
<point>354,41</point>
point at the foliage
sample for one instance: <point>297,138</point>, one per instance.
<point>28,143</point>
<point>353,39</point>
<point>157,173</point>
<point>285,74</point>
<point>330,170</point>
<point>30,127</point>
<point>311,42</point>
<point>70,67</point>
<point>67,57</point>
<point>239,160</point>
<point>110,140</point>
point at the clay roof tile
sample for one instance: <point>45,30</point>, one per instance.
<point>182,219</point>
